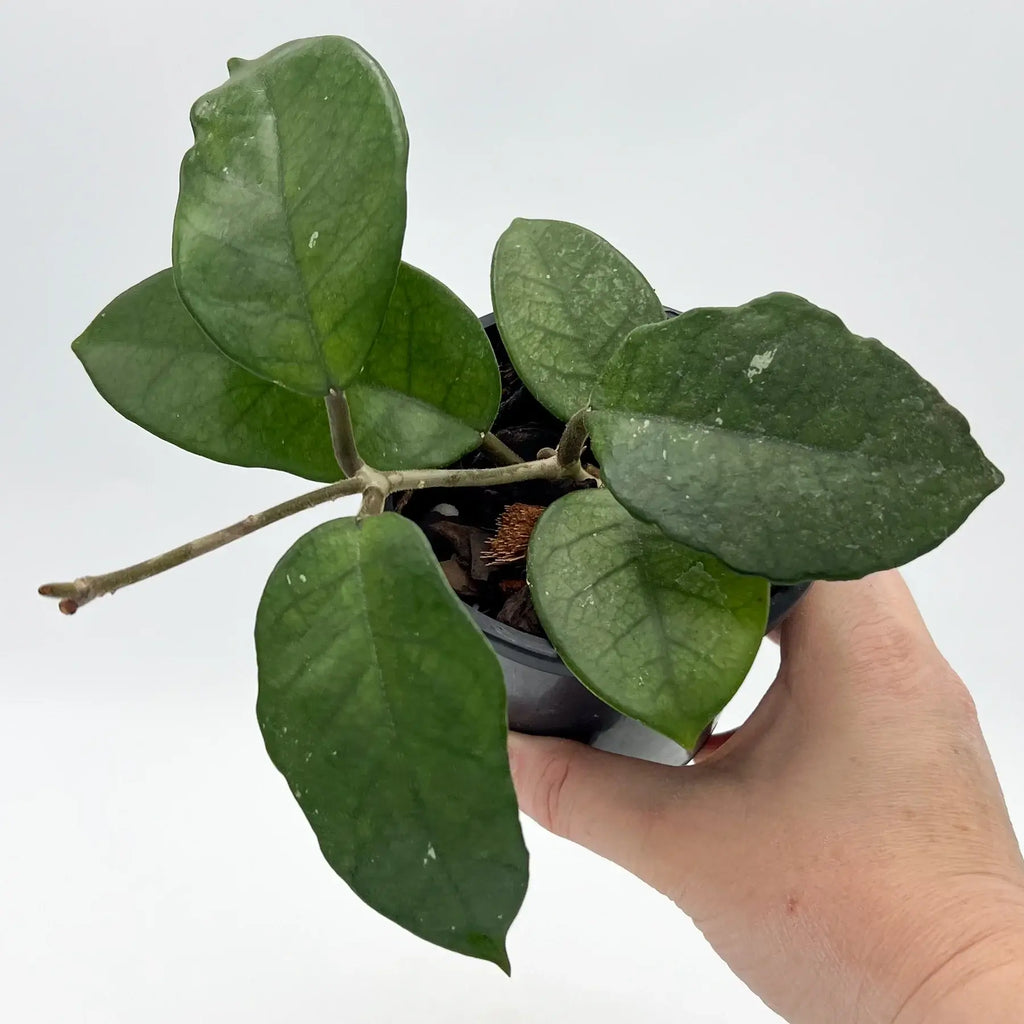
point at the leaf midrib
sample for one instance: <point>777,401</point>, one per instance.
<point>401,753</point>
<point>313,333</point>
<point>774,439</point>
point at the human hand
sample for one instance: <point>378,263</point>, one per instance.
<point>847,851</point>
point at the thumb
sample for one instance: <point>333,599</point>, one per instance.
<point>635,813</point>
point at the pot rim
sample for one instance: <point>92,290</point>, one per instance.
<point>528,647</point>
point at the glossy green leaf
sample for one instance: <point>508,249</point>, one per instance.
<point>430,387</point>
<point>384,707</point>
<point>564,301</point>
<point>291,213</point>
<point>791,448</point>
<point>428,391</point>
<point>150,360</point>
<point>661,632</point>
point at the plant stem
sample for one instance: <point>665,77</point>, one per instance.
<point>83,590</point>
<point>366,481</point>
<point>416,479</point>
<point>572,441</point>
<point>500,451</point>
<point>342,437</point>
<point>570,448</point>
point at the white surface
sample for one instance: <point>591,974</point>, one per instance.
<point>154,867</point>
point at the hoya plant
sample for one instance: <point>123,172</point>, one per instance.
<point>652,477</point>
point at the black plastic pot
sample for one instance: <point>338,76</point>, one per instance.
<point>546,699</point>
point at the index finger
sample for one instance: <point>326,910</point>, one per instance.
<point>854,626</point>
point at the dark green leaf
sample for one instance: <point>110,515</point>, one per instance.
<point>288,231</point>
<point>149,359</point>
<point>661,632</point>
<point>384,707</point>
<point>430,387</point>
<point>564,300</point>
<point>771,436</point>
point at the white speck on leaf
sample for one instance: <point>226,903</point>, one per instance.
<point>760,362</point>
<point>302,578</point>
<point>288,578</point>
<point>313,239</point>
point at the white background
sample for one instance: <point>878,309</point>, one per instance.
<point>153,866</point>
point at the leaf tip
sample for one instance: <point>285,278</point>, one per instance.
<point>691,738</point>
<point>490,948</point>
<point>500,959</point>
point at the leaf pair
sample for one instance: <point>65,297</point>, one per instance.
<point>287,249</point>
<point>151,361</point>
<point>767,434</point>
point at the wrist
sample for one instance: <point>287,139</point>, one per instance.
<point>978,973</point>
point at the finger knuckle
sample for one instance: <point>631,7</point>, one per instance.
<point>960,700</point>
<point>887,644</point>
<point>553,791</point>
<point>893,659</point>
